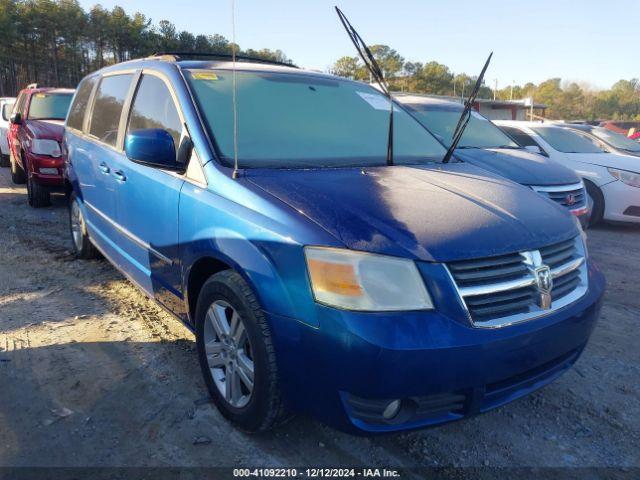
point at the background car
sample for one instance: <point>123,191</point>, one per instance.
<point>35,134</point>
<point>626,128</point>
<point>6,105</point>
<point>485,145</point>
<point>612,180</point>
<point>608,139</point>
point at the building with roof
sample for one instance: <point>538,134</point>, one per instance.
<point>501,109</point>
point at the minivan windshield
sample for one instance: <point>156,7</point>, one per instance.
<point>49,106</point>
<point>616,140</point>
<point>566,141</point>
<point>480,132</point>
<point>306,121</point>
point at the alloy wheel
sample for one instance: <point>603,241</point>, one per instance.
<point>77,225</point>
<point>229,354</point>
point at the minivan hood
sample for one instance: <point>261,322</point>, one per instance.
<point>46,129</point>
<point>434,213</point>
<point>520,166</point>
<point>613,160</point>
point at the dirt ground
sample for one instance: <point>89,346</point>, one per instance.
<point>94,374</point>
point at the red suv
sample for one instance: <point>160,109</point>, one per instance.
<point>35,134</point>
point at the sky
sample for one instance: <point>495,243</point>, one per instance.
<point>587,41</point>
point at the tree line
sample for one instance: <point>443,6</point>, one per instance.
<point>565,100</point>
<point>57,42</point>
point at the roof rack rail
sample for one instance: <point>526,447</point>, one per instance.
<point>176,56</point>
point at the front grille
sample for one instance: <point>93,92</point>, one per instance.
<point>504,289</point>
<point>572,197</point>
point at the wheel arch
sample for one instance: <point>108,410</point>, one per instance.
<point>589,184</point>
<point>245,258</point>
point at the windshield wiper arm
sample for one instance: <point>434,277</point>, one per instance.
<point>376,73</point>
<point>466,113</point>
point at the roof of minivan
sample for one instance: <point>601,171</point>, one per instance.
<point>161,63</point>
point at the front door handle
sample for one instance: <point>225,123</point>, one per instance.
<point>121,177</point>
<point>104,168</point>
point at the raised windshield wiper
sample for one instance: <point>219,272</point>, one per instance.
<point>466,113</point>
<point>376,73</point>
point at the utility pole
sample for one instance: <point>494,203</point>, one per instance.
<point>511,96</point>
<point>495,89</point>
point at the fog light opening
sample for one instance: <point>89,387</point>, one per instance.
<point>392,410</point>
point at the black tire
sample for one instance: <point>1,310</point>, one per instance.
<point>37,195</point>
<point>265,407</point>
<point>83,248</point>
<point>597,211</point>
<point>17,173</point>
<point>4,160</point>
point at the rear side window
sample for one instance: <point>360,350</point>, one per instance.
<point>566,141</point>
<point>519,136</point>
<point>80,103</point>
<point>107,108</point>
<point>153,107</point>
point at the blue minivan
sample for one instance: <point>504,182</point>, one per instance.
<point>316,277</point>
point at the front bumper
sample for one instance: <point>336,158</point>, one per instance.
<point>346,371</point>
<point>42,168</point>
<point>621,202</point>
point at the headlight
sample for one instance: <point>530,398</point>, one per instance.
<point>364,281</point>
<point>45,147</point>
<point>629,178</point>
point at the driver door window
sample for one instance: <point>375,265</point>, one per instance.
<point>153,107</point>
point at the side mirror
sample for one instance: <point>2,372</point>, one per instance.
<point>5,112</point>
<point>16,118</point>
<point>536,149</point>
<point>152,147</point>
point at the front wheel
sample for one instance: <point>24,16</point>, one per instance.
<point>82,245</point>
<point>37,195</point>
<point>236,353</point>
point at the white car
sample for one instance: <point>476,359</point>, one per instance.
<point>612,180</point>
<point>6,105</point>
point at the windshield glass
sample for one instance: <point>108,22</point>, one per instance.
<point>480,132</point>
<point>297,120</point>
<point>616,140</point>
<point>50,106</point>
<point>565,140</point>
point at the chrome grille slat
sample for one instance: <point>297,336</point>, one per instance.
<point>480,300</point>
<point>486,262</point>
<point>558,254</point>
<point>493,297</point>
<point>511,307</point>
<point>510,271</point>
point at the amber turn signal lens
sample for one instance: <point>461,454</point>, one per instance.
<point>338,278</point>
